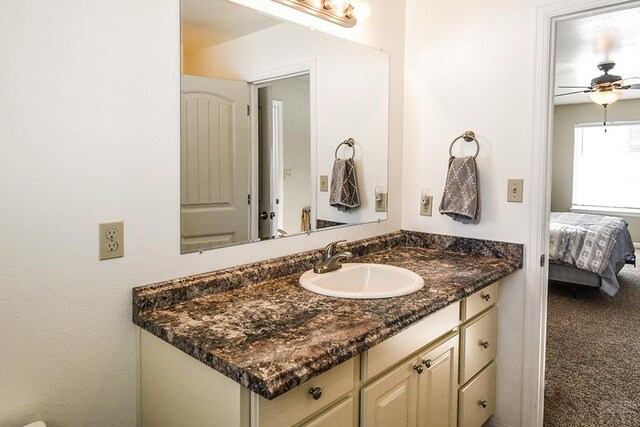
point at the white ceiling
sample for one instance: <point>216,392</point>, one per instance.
<point>582,43</point>
<point>207,23</point>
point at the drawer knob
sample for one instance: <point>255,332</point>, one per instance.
<point>486,297</point>
<point>427,363</point>
<point>418,368</point>
<point>483,403</point>
<point>315,392</point>
<point>484,344</point>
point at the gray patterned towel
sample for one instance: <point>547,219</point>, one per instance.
<point>344,185</point>
<point>460,198</point>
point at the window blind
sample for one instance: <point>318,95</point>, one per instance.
<point>606,166</point>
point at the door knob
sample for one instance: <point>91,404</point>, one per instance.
<point>486,297</point>
<point>418,368</point>
<point>315,392</point>
<point>272,215</point>
<point>483,403</point>
<point>427,363</point>
<point>263,215</point>
<point>484,344</point>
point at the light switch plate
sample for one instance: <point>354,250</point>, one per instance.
<point>514,190</point>
<point>111,240</point>
<point>324,183</point>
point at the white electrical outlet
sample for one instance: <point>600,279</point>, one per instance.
<point>426,205</point>
<point>381,202</point>
<point>111,240</point>
<point>514,190</point>
<point>324,183</point>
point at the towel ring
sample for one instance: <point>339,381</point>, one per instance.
<point>348,142</point>
<point>467,136</point>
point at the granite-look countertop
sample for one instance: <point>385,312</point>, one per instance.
<point>258,326</point>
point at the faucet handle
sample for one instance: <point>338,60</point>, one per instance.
<point>330,249</point>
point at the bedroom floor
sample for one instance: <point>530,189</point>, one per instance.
<point>593,356</point>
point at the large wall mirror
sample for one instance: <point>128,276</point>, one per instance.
<point>284,130</point>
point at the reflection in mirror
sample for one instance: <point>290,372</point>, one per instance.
<point>265,105</point>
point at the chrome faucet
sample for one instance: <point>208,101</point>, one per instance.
<point>331,260</point>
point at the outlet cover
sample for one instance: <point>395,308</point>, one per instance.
<point>426,208</point>
<point>381,202</point>
<point>111,240</point>
<point>514,190</point>
<point>324,183</point>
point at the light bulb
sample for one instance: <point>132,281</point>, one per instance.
<point>361,11</point>
<point>338,6</point>
<point>605,97</point>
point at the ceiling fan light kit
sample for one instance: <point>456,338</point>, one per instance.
<point>605,97</point>
<point>605,89</point>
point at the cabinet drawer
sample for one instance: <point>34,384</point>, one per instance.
<point>386,354</point>
<point>340,415</point>
<point>479,344</point>
<point>297,404</point>
<point>478,398</point>
<point>480,301</point>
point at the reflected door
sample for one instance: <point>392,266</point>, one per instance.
<point>215,169</point>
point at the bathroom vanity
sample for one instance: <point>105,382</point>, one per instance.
<point>248,346</point>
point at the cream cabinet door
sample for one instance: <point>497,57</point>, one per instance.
<point>438,385</point>
<point>391,399</point>
<point>340,415</point>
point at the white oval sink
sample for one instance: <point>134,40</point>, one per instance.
<point>355,280</point>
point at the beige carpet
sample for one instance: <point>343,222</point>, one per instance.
<point>593,356</point>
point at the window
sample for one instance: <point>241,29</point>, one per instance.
<point>606,166</point>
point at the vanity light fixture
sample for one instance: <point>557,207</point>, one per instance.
<point>342,12</point>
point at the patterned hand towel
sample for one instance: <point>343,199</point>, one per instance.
<point>344,185</point>
<point>460,198</point>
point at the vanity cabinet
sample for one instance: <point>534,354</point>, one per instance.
<point>441,372</point>
<point>420,391</point>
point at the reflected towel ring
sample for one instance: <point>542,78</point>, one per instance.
<point>467,136</point>
<point>348,142</point>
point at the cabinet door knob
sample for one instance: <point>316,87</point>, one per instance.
<point>483,403</point>
<point>315,392</point>
<point>418,368</point>
<point>486,297</point>
<point>484,344</point>
<point>427,363</point>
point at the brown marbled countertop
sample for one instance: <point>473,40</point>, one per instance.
<point>271,335</point>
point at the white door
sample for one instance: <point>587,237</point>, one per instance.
<point>215,169</point>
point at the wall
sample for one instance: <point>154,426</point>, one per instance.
<point>350,80</point>
<point>89,133</point>
<point>565,117</point>
<point>470,66</point>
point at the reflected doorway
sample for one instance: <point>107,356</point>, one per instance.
<point>283,157</point>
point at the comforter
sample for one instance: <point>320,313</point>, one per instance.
<point>587,242</point>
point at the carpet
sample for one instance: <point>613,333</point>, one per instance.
<point>593,356</point>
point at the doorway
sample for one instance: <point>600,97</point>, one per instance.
<point>283,156</point>
<point>537,291</point>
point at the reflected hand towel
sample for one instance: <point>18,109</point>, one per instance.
<point>344,185</point>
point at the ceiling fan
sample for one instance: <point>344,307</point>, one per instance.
<point>605,89</point>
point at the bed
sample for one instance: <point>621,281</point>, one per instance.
<point>589,250</point>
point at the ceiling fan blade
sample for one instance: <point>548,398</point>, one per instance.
<point>574,87</point>
<point>573,93</point>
